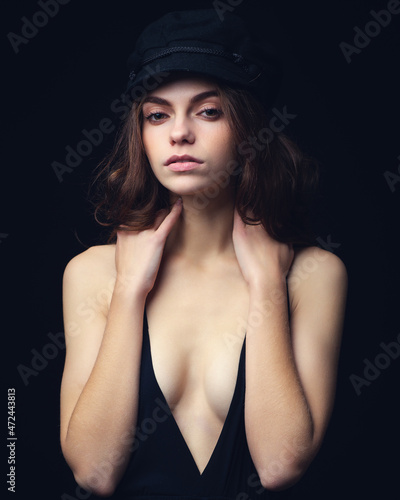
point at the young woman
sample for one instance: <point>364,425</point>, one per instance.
<point>210,371</point>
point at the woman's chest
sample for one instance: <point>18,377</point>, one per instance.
<point>197,325</point>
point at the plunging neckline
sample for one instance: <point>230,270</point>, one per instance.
<point>163,398</point>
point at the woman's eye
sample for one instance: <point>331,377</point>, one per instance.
<point>155,117</point>
<point>211,112</point>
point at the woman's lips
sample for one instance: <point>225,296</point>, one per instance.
<point>183,166</point>
<point>182,163</point>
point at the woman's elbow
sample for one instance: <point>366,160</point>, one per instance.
<point>275,480</point>
<point>99,477</point>
<point>283,472</point>
<point>94,482</point>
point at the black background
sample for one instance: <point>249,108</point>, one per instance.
<point>65,79</point>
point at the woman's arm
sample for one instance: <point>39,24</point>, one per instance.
<point>290,368</point>
<point>99,393</point>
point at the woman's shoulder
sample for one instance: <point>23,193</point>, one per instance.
<point>313,264</point>
<point>317,279</point>
<point>93,266</point>
<point>317,254</point>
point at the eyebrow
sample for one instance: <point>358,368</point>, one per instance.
<point>193,100</point>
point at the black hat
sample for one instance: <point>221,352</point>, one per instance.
<point>198,41</point>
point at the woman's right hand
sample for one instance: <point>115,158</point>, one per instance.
<point>138,253</point>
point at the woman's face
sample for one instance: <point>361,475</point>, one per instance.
<point>186,136</point>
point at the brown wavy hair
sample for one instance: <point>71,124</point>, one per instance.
<point>274,181</point>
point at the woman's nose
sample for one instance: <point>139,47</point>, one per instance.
<point>181,131</point>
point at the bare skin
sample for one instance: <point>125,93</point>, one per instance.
<point>206,280</point>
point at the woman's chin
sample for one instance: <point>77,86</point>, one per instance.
<point>193,189</point>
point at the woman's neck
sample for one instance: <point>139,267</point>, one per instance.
<point>203,232</point>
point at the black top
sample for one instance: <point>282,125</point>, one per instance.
<point>161,465</point>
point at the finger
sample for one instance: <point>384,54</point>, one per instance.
<point>159,218</point>
<point>169,221</point>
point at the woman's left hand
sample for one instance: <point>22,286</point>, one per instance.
<point>261,258</point>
